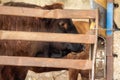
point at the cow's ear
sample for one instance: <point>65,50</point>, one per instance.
<point>63,25</point>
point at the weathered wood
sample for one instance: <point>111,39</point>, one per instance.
<point>32,12</point>
<point>109,53</point>
<point>109,74</point>
<point>45,62</point>
<point>95,48</point>
<point>109,40</point>
<point>51,37</point>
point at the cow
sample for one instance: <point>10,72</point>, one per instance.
<point>30,48</point>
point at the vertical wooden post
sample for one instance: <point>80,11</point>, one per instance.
<point>109,40</point>
<point>95,46</point>
<point>109,50</point>
<point>101,5</point>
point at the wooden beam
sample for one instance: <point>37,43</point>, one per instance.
<point>95,47</point>
<point>111,1</point>
<point>57,13</point>
<point>49,37</point>
<point>109,53</point>
<point>109,40</point>
<point>45,62</point>
<point>110,71</point>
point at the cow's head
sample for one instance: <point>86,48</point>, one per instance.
<point>65,26</point>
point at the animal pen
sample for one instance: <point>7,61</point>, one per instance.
<point>52,37</point>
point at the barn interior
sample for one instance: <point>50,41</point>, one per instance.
<point>83,5</point>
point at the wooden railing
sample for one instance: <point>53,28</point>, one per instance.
<point>52,37</point>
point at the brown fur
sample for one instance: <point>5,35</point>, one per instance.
<point>84,27</point>
<point>73,73</point>
<point>26,48</point>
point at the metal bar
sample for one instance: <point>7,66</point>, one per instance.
<point>109,46</point>
<point>109,18</point>
<point>95,46</point>
<point>57,13</point>
<point>45,62</point>
<point>102,5</point>
<point>105,70</point>
<point>51,37</point>
<point>109,40</point>
<point>109,51</point>
<point>109,68</point>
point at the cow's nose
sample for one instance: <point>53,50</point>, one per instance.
<point>76,47</point>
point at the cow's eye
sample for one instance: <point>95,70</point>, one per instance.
<point>63,25</point>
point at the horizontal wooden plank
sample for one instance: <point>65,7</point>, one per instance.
<point>45,62</point>
<point>49,37</point>
<point>57,13</point>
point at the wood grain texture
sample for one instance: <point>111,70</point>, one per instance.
<point>31,12</point>
<point>49,37</point>
<point>45,62</point>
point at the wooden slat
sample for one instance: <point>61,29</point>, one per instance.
<point>45,62</point>
<point>49,37</point>
<point>95,47</point>
<point>32,12</point>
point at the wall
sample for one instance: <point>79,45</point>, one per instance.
<point>69,4</point>
<point>117,14</point>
